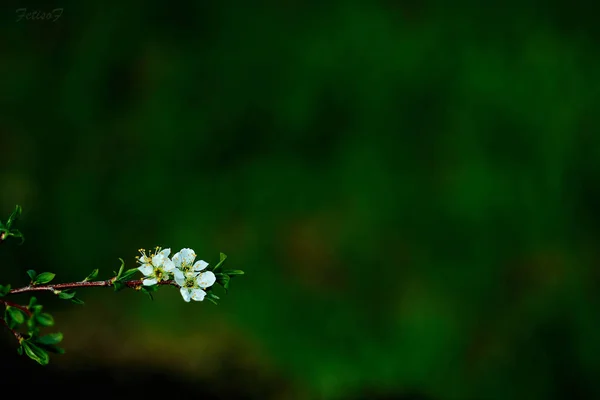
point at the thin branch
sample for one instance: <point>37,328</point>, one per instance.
<point>20,307</point>
<point>71,285</point>
<point>17,335</point>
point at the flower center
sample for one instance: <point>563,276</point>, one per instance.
<point>158,274</point>
<point>190,282</point>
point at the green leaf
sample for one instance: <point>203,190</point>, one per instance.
<point>43,278</point>
<point>66,294</point>
<point>77,300</point>
<point>15,314</point>
<point>233,272</point>
<point>32,302</point>
<point>4,289</point>
<point>212,298</point>
<point>51,338</point>
<point>120,269</point>
<point>118,285</point>
<point>20,350</point>
<point>127,275</point>
<point>14,216</point>
<point>36,309</point>
<point>16,234</point>
<point>223,280</point>
<point>35,353</point>
<point>44,319</point>
<point>32,274</point>
<point>52,348</point>
<point>93,275</point>
<point>222,258</point>
<point>148,290</point>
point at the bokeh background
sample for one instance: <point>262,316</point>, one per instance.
<point>411,189</point>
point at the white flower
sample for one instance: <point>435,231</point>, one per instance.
<point>192,285</point>
<point>156,267</point>
<point>184,262</point>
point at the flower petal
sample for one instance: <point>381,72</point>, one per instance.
<point>206,279</point>
<point>185,293</point>
<point>200,265</point>
<point>198,294</point>
<point>179,277</point>
<point>187,256</point>
<point>149,282</point>
<point>158,259</point>
<point>168,265</point>
<point>166,252</point>
<point>146,269</point>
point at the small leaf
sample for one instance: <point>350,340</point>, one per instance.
<point>233,272</point>
<point>43,278</point>
<point>52,348</point>
<point>120,268</point>
<point>128,274</point>
<point>51,338</point>
<point>32,274</point>
<point>212,301</point>
<point>212,298</point>
<point>118,285</point>
<point>36,309</point>
<point>44,319</point>
<point>35,353</point>
<point>93,275</point>
<point>14,216</point>
<point>17,234</point>
<point>148,290</point>
<point>222,258</point>
<point>4,289</point>
<point>66,294</point>
<point>20,350</point>
<point>17,315</point>
<point>223,280</point>
<point>32,302</point>
<point>77,300</point>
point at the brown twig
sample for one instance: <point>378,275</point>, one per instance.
<point>20,307</point>
<point>17,335</point>
<point>71,285</point>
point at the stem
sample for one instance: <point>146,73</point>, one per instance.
<point>20,307</point>
<point>17,335</point>
<point>71,285</point>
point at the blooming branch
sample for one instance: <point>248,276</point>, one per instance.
<point>133,284</point>
<point>194,280</point>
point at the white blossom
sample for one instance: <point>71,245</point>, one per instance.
<point>189,276</point>
<point>184,262</point>
<point>156,267</point>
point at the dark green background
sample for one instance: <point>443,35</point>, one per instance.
<point>413,192</point>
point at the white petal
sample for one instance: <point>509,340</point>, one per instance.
<point>146,269</point>
<point>168,265</point>
<point>198,294</point>
<point>185,293</point>
<point>179,277</point>
<point>177,260</point>
<point>149,282</point>
<point>158,259</point>
<point>166,252</point>
<point>206,279</point>
<point>200,265</point>
<point>187,256</point>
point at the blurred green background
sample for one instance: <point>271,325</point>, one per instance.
<point>411,189</point>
